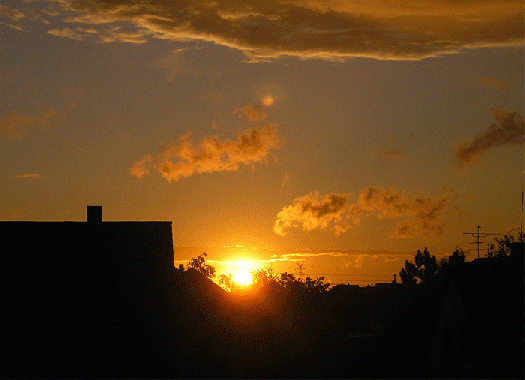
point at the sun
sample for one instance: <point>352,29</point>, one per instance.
<point>242,273</point>
<point>243,277</point>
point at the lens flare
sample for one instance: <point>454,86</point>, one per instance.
<point>267,100</point>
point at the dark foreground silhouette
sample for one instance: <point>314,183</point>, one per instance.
<point>104,300</point>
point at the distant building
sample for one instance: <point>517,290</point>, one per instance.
<point>80,293</point>
<point>480,329</point>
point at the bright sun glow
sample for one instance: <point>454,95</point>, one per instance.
<point>242,277</point>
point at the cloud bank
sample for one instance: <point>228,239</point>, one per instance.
<point>184,159</point>
<point>419,215</point>
<point>328,29</point>
<point>507,130</point>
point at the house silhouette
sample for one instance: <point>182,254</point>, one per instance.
<point>480,329</point>
<point>80,298</point>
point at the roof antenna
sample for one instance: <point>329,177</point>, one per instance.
<point>479,235</point>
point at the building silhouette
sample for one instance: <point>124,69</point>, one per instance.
<point>82,297</point>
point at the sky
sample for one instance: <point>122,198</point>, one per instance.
<point>338,135</point>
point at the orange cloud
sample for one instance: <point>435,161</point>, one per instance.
<point>184,159</point>
<point>11,13</point>
<point>496,83</point>
<point>15,125</point>
<point>253,114</point>
<point>327,29</point>
<point>311,212</point>
<point>28,175</point>
<point>422,215</point>
<point>419,215</point>
<point>508,130</point>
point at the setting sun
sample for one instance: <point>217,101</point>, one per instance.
<point>242,272</point>
<point>242,277</point>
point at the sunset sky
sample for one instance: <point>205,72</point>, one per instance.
<point>342,135</point>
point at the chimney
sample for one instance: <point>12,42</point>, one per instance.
<point>94,214</point>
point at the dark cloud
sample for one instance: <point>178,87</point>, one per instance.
<point>507,130</point>
<point>329,29</point>
<point>212,155</point>
<point>418,215</point>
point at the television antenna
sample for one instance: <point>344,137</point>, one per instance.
<point>479,235</point>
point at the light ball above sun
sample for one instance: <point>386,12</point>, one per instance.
<point>267,100</point>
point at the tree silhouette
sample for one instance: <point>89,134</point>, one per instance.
<point>424,269</point>
<point>288,283</point>
<point>501,246</point>
<point>226,281</point>
<point>199,264</point>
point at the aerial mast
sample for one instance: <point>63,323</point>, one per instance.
<point>479,235</point>
<point>299,271</point>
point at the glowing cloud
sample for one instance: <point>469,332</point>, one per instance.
<point>420,215</point>
<point>184,159</point>
<point>508,130</point>
<point>327,29</point>
<point>311,212</point>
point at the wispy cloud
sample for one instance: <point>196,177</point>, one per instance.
<point>76,34</point>
<point>418,215</point>
<point>328,29</point>
<point>507,130</point>
<point>286,178</point>
<point>392,154</point>
<point>184,159</point>
<point>253,114</point>
<point>498,84</point>
<point>11,13</point>
<point>333,253</point>
<point>16,125</point>
<point>28,175</point>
